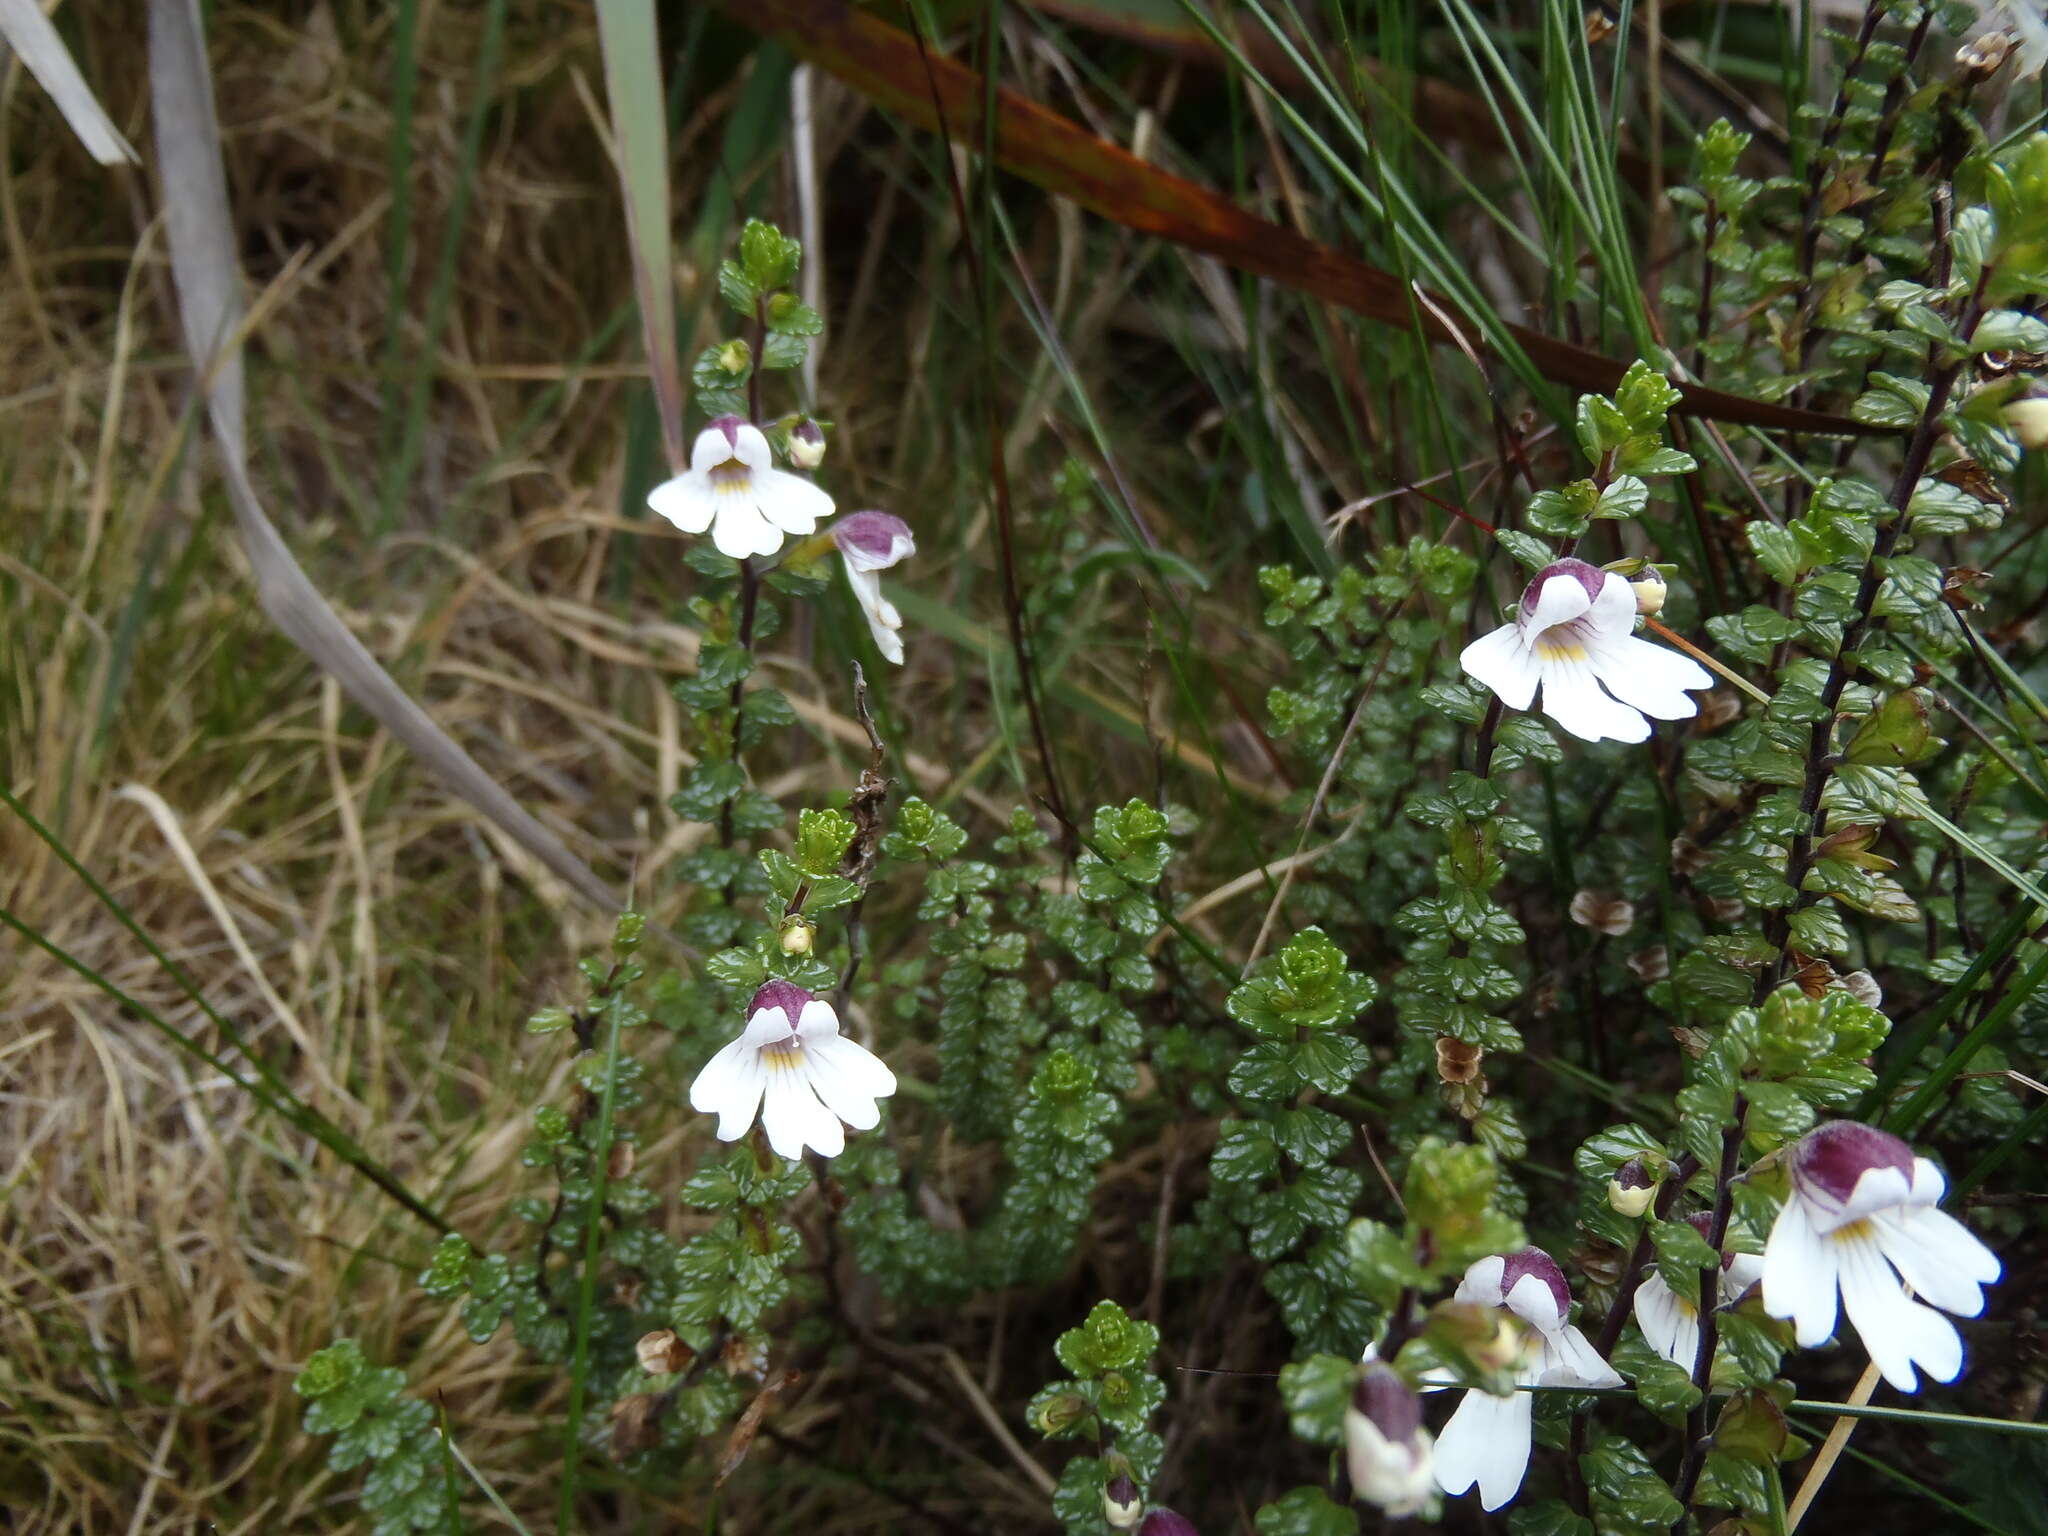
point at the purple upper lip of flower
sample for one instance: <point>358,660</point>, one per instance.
<point>1591,577</point>
<point>1534,1261</point>
<point>730,426</point>
<point>1834,1157</point>
<point>1387,1401</point>
<point>873,534</point>
<point>786,995</point>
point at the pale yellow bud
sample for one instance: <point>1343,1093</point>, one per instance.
<point>1631,1189</point>
<point>797,936</point>
<point>1650,590</point>
<point>2029,422</point>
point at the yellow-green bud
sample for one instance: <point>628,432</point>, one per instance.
<point>2029,422</point>
<point>1631,1189</point>
<point>797,936</point>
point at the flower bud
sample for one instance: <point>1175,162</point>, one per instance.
<point>1122,1504</point>
<point>1386,1449</point>
<point>806,445</point>
<point>662,1353</point>
<point>797,936</point>
<point>1057,1415</point>
<point>2029,422</point>
<point>1863,986</point>
<point>1164,1522</point>
<point>1631,1189</point>
<point>1649,589</point>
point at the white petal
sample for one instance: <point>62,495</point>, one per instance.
<point>685,501</point>
<point>883,619</point>
<point>790,502</point>
<point>856,1064</point>
<point>840,1090</point>
<point>1669,1324</point>
<point>1575,701</point>
<point>1799,1275</point>
<point>817,1021</point>
<point>750,447</point>
<point>1487,1443</point>
<point>711,447</point>
<point>741,531</point>
<point>1650,678</point>
<point>1561,600</point>
<point>730,1087</point>
<point>1613,613</point>
<point>1503,663</point>
<point>794,1118</point>
<point>1929,1183</point>
<point>1570,1360</point>
<point>1481,1284</point>
<point>1535,1303</point>
<point>768,1026</point>
<point>1898,1333</point>
<point>1938,1256</point>
<point>1743,1270</point>
<point>1877,1189</point>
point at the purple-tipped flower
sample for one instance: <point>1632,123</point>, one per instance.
<point>1862,1216</point>
<point>871,542</point>
<point>794,1066</point>
<point>1164,1522</point>
<point>1386,1449</point>
<point>1122,1504</point>
<point>1671,1322</point>
<point>1574,636</point>
<point>806,444</point>
<point>1486,1443</point>
<point>733,488</point>
<point>1631,1189</point>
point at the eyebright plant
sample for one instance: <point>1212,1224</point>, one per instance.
<point>1552,1111</point>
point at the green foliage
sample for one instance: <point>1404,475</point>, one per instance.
<point>409,1485</point>
<point>1108,1399</point>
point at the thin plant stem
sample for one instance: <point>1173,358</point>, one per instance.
<point>593,1242</point>
<point>1830,1451</point>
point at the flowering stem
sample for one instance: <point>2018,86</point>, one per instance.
<point>1820,761</point>
<point>1709,1311</point>
<point>593,1239</point>
<point>1625,1294</point>
<point>750,600</point>
<point>1482,759</point>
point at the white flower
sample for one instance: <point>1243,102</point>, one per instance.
<point>733,488</point>
<point>1386,1449</point>
<point>1671,1322</point>
<point>1487,1440</point>
<point>1863,1206</point>
<point>870,542</point>
<point>1574,636</point>
<point>811,1076</point>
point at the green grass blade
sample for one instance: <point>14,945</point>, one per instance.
<point>632,73</point>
